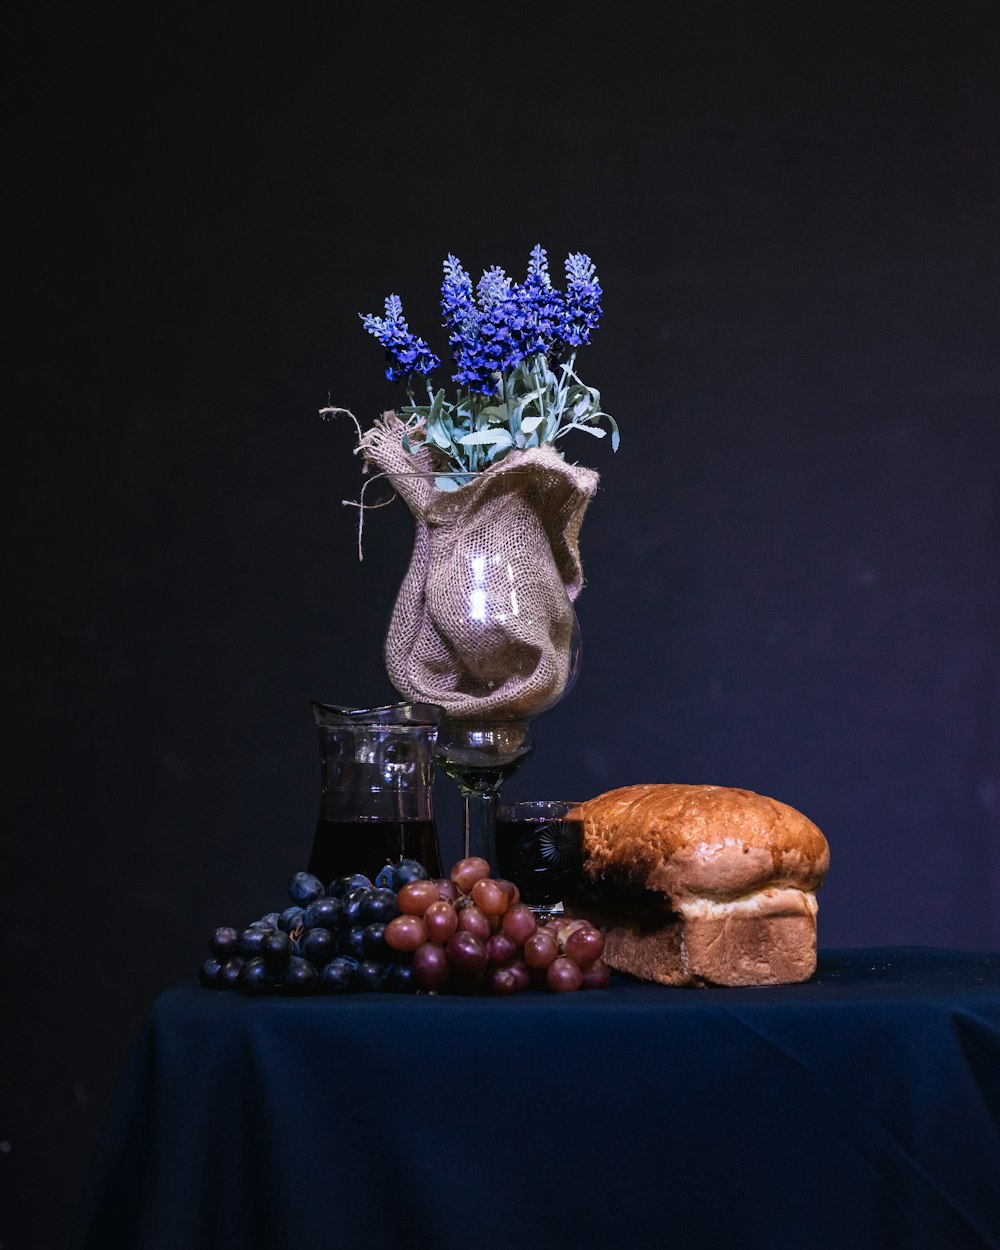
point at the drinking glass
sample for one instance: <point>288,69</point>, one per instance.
<point>377,788</point>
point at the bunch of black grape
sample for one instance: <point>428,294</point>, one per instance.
<point>330,940</point>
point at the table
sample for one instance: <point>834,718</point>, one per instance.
<point>861,1109</point>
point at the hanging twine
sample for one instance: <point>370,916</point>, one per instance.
<point>360,503</point>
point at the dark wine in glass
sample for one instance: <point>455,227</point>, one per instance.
<point>342,847</point>
<point>539,850</point>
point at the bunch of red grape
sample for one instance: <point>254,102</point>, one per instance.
<point>470,932</point>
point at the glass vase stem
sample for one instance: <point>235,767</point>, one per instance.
<point>481,824</point>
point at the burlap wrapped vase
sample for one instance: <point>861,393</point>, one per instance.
<point>484,621</point>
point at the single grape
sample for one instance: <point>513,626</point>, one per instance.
<point>255,977</point>
<point>408,870</point>
<point>372,975</point>
<point>519,923</point>
<point>521,973</point>
<point>276,948</point>
<point>229,973</point>
<point>584,945</point>
<point>565,928</point>
<point>304,887</point>
<point>447,889</point>
<point>323,913</point>
<point>271,919</point>
<point>343,885</point>
<point>251,942</point>
<point>564,975</point>
<point>472,920</point>
<point>337,976</point>
<point>374,944</point>
<point>430,966</point>
<point>540,950</point>
<point>468,871</point>
<point>466,953</point>
<point>500,981</point>
<point>402,979</point>
<point>260,924</point>
<point>490,897</point>
<point>406,933</point>
<point>224,942</point>
<point>350,906</point>
<point>510,889</point>
<point>318,946</point>
<point>503,980</point>
<point>414,899</point>
<point>500,948</point>
<point>378,906</point>
<point>384,878</point>
<point>440,921</point>
<point>208,973</point>
<point>353,942</point>
<point>291,918</point>
<point>299,976</point>
<point>596,977</point>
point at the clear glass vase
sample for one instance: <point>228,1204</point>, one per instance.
<point>377,788</point>
<point>484,622</point>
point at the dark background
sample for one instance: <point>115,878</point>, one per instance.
<point>792,561</point>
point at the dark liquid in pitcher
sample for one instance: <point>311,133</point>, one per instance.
<point>541,856</point>
<point>342,847</point>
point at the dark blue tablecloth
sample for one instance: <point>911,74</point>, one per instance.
<point>861,1109</point>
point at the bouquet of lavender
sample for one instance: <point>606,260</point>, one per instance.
<point>513,351</point>
<point>483,622</point>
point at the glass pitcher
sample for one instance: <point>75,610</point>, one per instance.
<point>377,789</point>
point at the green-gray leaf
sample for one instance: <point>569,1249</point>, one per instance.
<point>487,437</point>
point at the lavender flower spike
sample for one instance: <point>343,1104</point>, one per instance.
<point>538,267</point>
<point>405,354</point>
<point>473,366</point>
<point>457,303</point>
<point>583,293</point>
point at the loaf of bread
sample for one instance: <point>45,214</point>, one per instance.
<point>702,885</point>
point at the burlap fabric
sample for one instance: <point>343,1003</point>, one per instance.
<point>484,617</point>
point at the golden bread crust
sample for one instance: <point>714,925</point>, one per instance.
<point>699,840</point>
<point>703,885</point>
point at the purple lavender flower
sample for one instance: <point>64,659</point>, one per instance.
<point>582,309</point>
<point>497,324</point>
<point>474,366</point>
<point>457,302</point>
<point>501,321</point>
<point>405,354</point>
<point>541,307</point>
<point>513,347</point>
